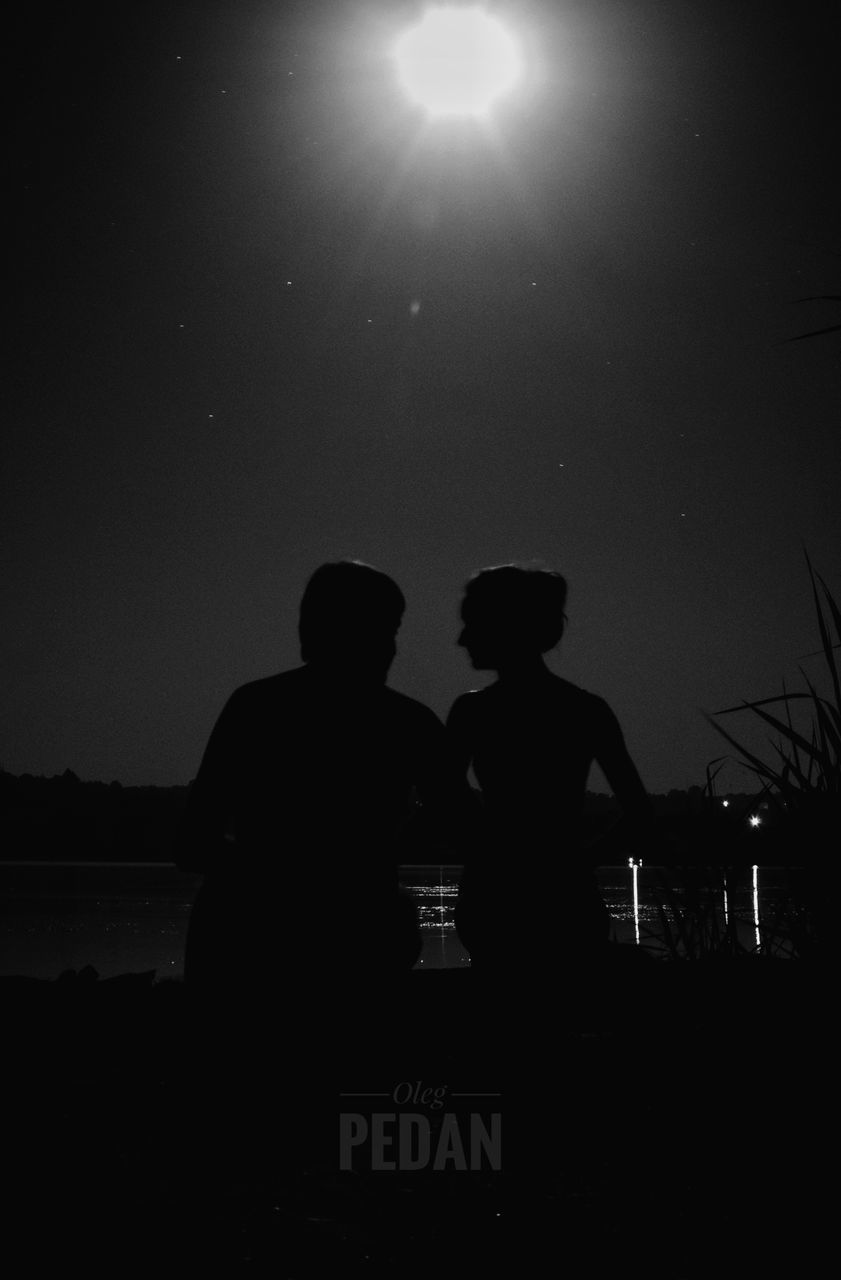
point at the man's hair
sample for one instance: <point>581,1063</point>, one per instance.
<point>520,600</point>
<point>347,603</point>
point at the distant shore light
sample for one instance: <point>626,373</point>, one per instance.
<point>457,61</point>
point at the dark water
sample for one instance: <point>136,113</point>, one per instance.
<point>132,917</point>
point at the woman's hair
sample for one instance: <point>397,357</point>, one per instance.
<point>523,604</point>
<point>348,603</point>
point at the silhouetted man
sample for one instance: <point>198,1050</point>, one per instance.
<point>307,782</point>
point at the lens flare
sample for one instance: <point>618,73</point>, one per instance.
<point>457,62</point>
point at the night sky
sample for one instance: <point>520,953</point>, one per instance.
<point>265,315</point>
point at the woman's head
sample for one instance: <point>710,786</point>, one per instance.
<point>511,615</point>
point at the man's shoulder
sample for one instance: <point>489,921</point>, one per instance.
<point>294,694</point>
<point>268,686</point>
<point>255,696</point>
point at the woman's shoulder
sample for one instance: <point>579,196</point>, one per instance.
<point>469,699</point>
<point>581,702</point>
<point>467,708</point>
<point>575,692</point>
<point>556,696</point>
<point>473,699</point>
<point>409,709</point>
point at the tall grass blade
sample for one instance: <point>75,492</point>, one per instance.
<point>815,333</point>
<point>826,639</point>
<point>781,727</point>
<point>755,764</point>
<point>829,732</point>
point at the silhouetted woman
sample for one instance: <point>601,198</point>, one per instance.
<point>531,739</point>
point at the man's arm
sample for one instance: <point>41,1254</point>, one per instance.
<point>448,804</point>
<point>204,837</point>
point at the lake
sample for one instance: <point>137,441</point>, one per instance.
<point>133,917</point>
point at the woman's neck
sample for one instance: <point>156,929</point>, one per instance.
<point>523,671</point>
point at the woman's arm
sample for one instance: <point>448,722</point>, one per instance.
<point>447,803</point>
<point>460,733</point>
<point>634,831</point>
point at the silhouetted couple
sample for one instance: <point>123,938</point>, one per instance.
<point>312,778</point>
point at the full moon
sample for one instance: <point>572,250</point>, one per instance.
<point>457,62</point>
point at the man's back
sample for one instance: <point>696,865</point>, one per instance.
<point>305,787</point>
<point>310,776</point>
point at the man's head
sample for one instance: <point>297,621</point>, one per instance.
<point>512,614</point>
<point>350,616</point>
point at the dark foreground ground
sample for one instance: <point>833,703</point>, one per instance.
<point>673,1123</point>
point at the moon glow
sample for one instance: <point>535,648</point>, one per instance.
<point>457,62</point>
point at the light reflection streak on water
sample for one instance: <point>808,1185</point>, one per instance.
<point>435,903</point>
<point>755,875</point>
<point>626,899</point>
<point>743,907</point>
<point>635,869</point>
<point>133,918</point>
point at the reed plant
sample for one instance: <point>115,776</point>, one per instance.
<point>802,777</point>
<point>804,774</point>
<point>801,782</point>
<point>694,924</point>
<point>817,333</point>
<point>691,920</point>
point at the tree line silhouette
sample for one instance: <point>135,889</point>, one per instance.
<point>63,818</point>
